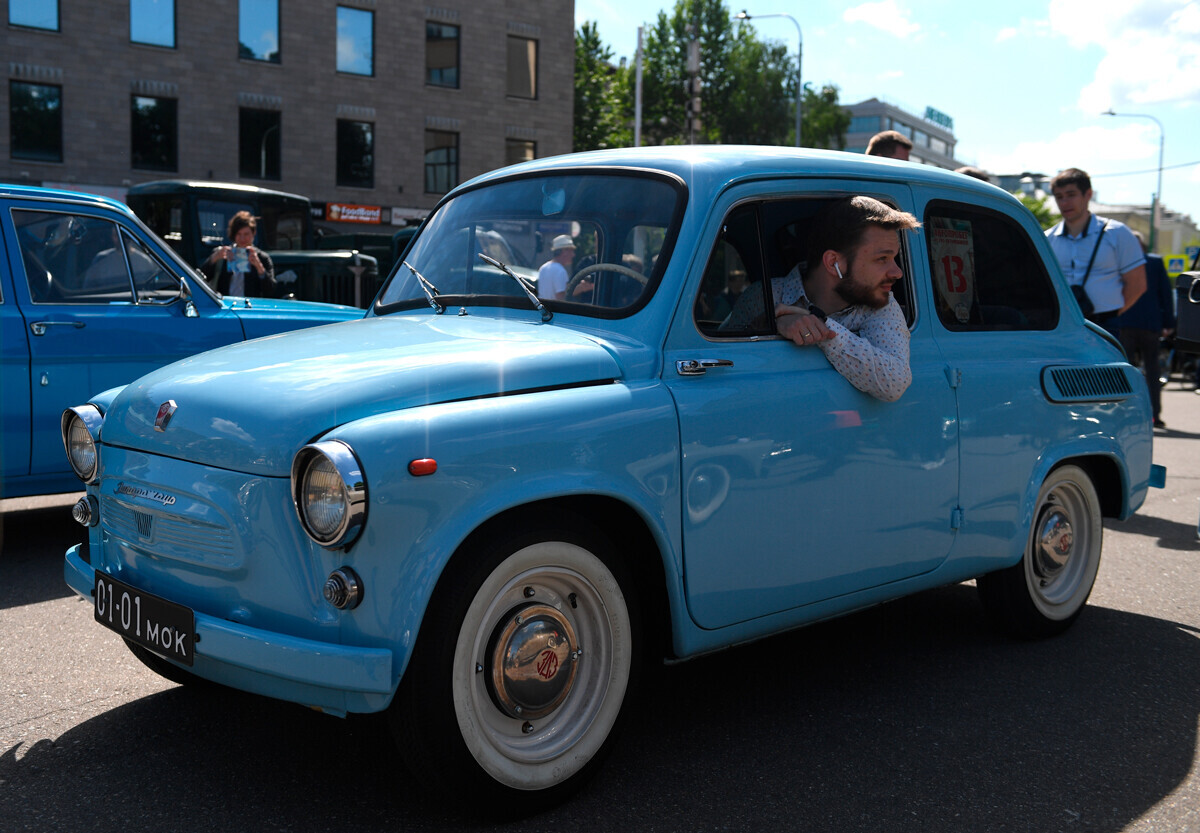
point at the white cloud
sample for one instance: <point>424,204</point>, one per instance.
<point>884,15</point>
<point>1123,147</point>
<point>1151,50</point>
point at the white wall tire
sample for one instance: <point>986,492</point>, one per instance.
<point>479,705</point>
<point>1044,593</point>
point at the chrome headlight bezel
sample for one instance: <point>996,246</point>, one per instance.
<point>344,490</point>
<point>81,425</point>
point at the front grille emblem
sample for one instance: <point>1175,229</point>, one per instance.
<point>145,524</point>
<point>165,411</point>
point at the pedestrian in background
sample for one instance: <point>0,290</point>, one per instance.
<point>890,144</point>
<point>1152,317</point>
<point>1101,259</point>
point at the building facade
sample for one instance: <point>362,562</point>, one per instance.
<point>932,134</point>
<point>374,108</point>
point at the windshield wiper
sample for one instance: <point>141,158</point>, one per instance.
<point>521,282</point>
<point>429,289</point>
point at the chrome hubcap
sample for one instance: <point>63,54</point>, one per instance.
<point>1055,541</point>
<point>531,661</point>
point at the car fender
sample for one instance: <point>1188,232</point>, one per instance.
<point>623,439</point>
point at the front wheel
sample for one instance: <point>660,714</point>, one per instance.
<point>518,679</point>
<point>1045,592</point>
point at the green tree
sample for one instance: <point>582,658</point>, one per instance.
<point>593,70</point>
<point>824,121</point>
<point>1039,208</point>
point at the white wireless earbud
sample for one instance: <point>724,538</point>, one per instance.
<point>838,268</point>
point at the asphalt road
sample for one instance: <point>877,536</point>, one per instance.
<point>913,716</point>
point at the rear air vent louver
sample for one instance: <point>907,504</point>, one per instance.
<point>1086,384</point>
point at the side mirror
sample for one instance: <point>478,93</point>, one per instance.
<point>189,309</point>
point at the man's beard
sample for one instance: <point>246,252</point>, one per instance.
<point>855,293</point>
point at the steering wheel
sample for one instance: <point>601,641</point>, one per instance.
<point>601,267</point>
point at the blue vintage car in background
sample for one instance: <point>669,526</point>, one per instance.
<point>90,299</point>
<point>480,511</point>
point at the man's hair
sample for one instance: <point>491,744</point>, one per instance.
<point>241,220</point>
<point>971,170</point>
<point>842,224</point>
<point>883,144</point>
<point>1071,176</point>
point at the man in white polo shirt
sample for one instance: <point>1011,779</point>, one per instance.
<point>1102,256</point>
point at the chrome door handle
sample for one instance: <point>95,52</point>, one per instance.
<point>39,327</point>
<point>698,367</point>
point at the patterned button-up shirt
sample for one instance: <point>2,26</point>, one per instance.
<point>871,348</point>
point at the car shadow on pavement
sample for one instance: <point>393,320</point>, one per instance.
<point>1171,535</point>
<point>910,716</point>
<point>32,545</point>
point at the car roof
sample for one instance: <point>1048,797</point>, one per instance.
<point>711,167</point>
<point>179,186</point>
<point>36,192</point>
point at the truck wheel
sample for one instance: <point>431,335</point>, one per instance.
<point>1046,590</point>
<point>524,661</point>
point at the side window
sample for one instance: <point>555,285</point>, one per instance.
<point>987,274</point>
<point>152,281</point>
<point>72,258</point>
<point>732,303</point>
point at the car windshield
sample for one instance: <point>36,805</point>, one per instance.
<point>592,243</point>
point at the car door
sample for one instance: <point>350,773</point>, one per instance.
<point>14,381</point>
<point>102,306</point>
<point>797,487</point>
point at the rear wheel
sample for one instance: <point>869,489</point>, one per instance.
<point>1045,592</point>
<point>519,676</point>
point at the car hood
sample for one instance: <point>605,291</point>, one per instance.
<point>267,316</point>
<point>250,406</point>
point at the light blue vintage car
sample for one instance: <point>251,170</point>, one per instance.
<point>481,511</point>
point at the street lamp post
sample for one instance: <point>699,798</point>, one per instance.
<point>1156,213</point>
<point>744,15</point>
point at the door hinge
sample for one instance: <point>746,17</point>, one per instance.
<point>953,376</point>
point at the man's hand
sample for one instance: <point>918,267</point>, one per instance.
<point>800,326</point>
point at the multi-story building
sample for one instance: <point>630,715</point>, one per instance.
<point>932,134</point>
<point>375,107</point>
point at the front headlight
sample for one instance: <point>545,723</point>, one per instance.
<point>330,493</point>
<point>81,433</point>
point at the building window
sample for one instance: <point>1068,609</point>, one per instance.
<point>441,55</point>
<point>519,150</point>
<point>938,146</point>
<point>522,67</point>
<point>258,30</point>
<point>355,154</point>
<point>355,41</point>
<point>864,124</point>
<point>258,144</point>
<point>154,129</point>
<point>152,22</point>
<point>35,121</point>
<point>36,14</point>
<point>441,161</point>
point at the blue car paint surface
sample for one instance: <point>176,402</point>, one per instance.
<point>763,494</point>
<point>72,324</point>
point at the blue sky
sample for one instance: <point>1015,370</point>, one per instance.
<point>1024,80</point>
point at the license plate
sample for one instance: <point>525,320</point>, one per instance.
<point>164,627</point>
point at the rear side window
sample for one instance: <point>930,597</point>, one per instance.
<point>987,275</point>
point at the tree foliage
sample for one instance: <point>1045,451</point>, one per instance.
<point>747,92</point>
<point>1038,206</point>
